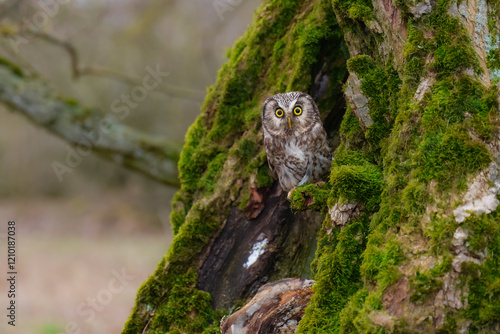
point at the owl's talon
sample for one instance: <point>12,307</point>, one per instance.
<point>320,183</point>
<point>290,193</point>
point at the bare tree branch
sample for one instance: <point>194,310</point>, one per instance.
<point>78,69</point>
<point>88,129</point>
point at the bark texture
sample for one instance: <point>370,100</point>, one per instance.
<point>276,309</point>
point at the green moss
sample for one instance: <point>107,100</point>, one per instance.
<point>244,199</point>
<point>279,48</point>
<point>450,325</point>
<point>186,308</point>
<point>246,149</point>
<point>381,84</point>
<point>484,279</point>
<point>381,257</point>
<point>310,197</point>
<point>336,270</point>
<point>71,102</point>
<point>450,58</point>
<point>447,150</point>
<point>425,151</point>
<point>351,313</point>
<point>463,96</point>
<point>481,228</point>
<point>170,296</point>
<point>440,232</point>
<point>350,130</point>
<point>359,184</point>
<point>427,283</point>
<point>443,156</point>
<point>264,178</point>
<point>354,11</point>
<point>415,199</point>
<point>454,51</point>
<point>414,52</point>
<point>214,168</point>
<point>11,66</point>
<point>180,208</point>
<point>192,162</point>
<point>316,38</point>
<point>277,53</point>
<point>344,156</point>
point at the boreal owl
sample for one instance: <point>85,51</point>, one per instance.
<point>295,140</point>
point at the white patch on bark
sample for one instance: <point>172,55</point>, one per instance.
<point>421,8</point>
<point>358,101</point>
<point>341,214</point>
<point>424,86</point>
<point>257,250</point>
<point>481,197</point>
<point>459,237</point>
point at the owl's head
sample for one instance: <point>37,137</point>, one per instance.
<point>288,114</point>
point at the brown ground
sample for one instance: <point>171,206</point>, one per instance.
<point>67,251</point>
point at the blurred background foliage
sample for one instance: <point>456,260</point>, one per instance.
<point>100,210</point>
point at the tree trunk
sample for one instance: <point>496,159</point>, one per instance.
<point>411,238</point>
<point>234,227</point>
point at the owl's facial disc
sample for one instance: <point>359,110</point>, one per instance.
<point>292,113</point>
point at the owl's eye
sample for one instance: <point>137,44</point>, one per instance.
<point>297,111</point>
<point>279,112</point>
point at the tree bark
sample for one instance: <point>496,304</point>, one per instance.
<point>412,191</point>
<point>234,228</point>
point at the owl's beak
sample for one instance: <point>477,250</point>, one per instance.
<point>289,122</point>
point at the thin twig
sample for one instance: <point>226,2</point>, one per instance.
<point>78,70</point>
<point>70,49</point>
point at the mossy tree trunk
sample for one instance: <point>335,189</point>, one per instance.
<point>419,156</point>
<point>411,238</point>
<point>234,227</point>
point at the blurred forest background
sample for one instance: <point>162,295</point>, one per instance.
<point>101,217</point>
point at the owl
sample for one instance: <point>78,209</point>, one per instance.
<point>295,140</point>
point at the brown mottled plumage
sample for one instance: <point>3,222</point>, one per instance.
<point>295,140</point>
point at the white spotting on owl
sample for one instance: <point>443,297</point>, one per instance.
<point>295,140</point>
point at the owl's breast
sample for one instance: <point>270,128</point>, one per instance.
<point>295,149</point>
